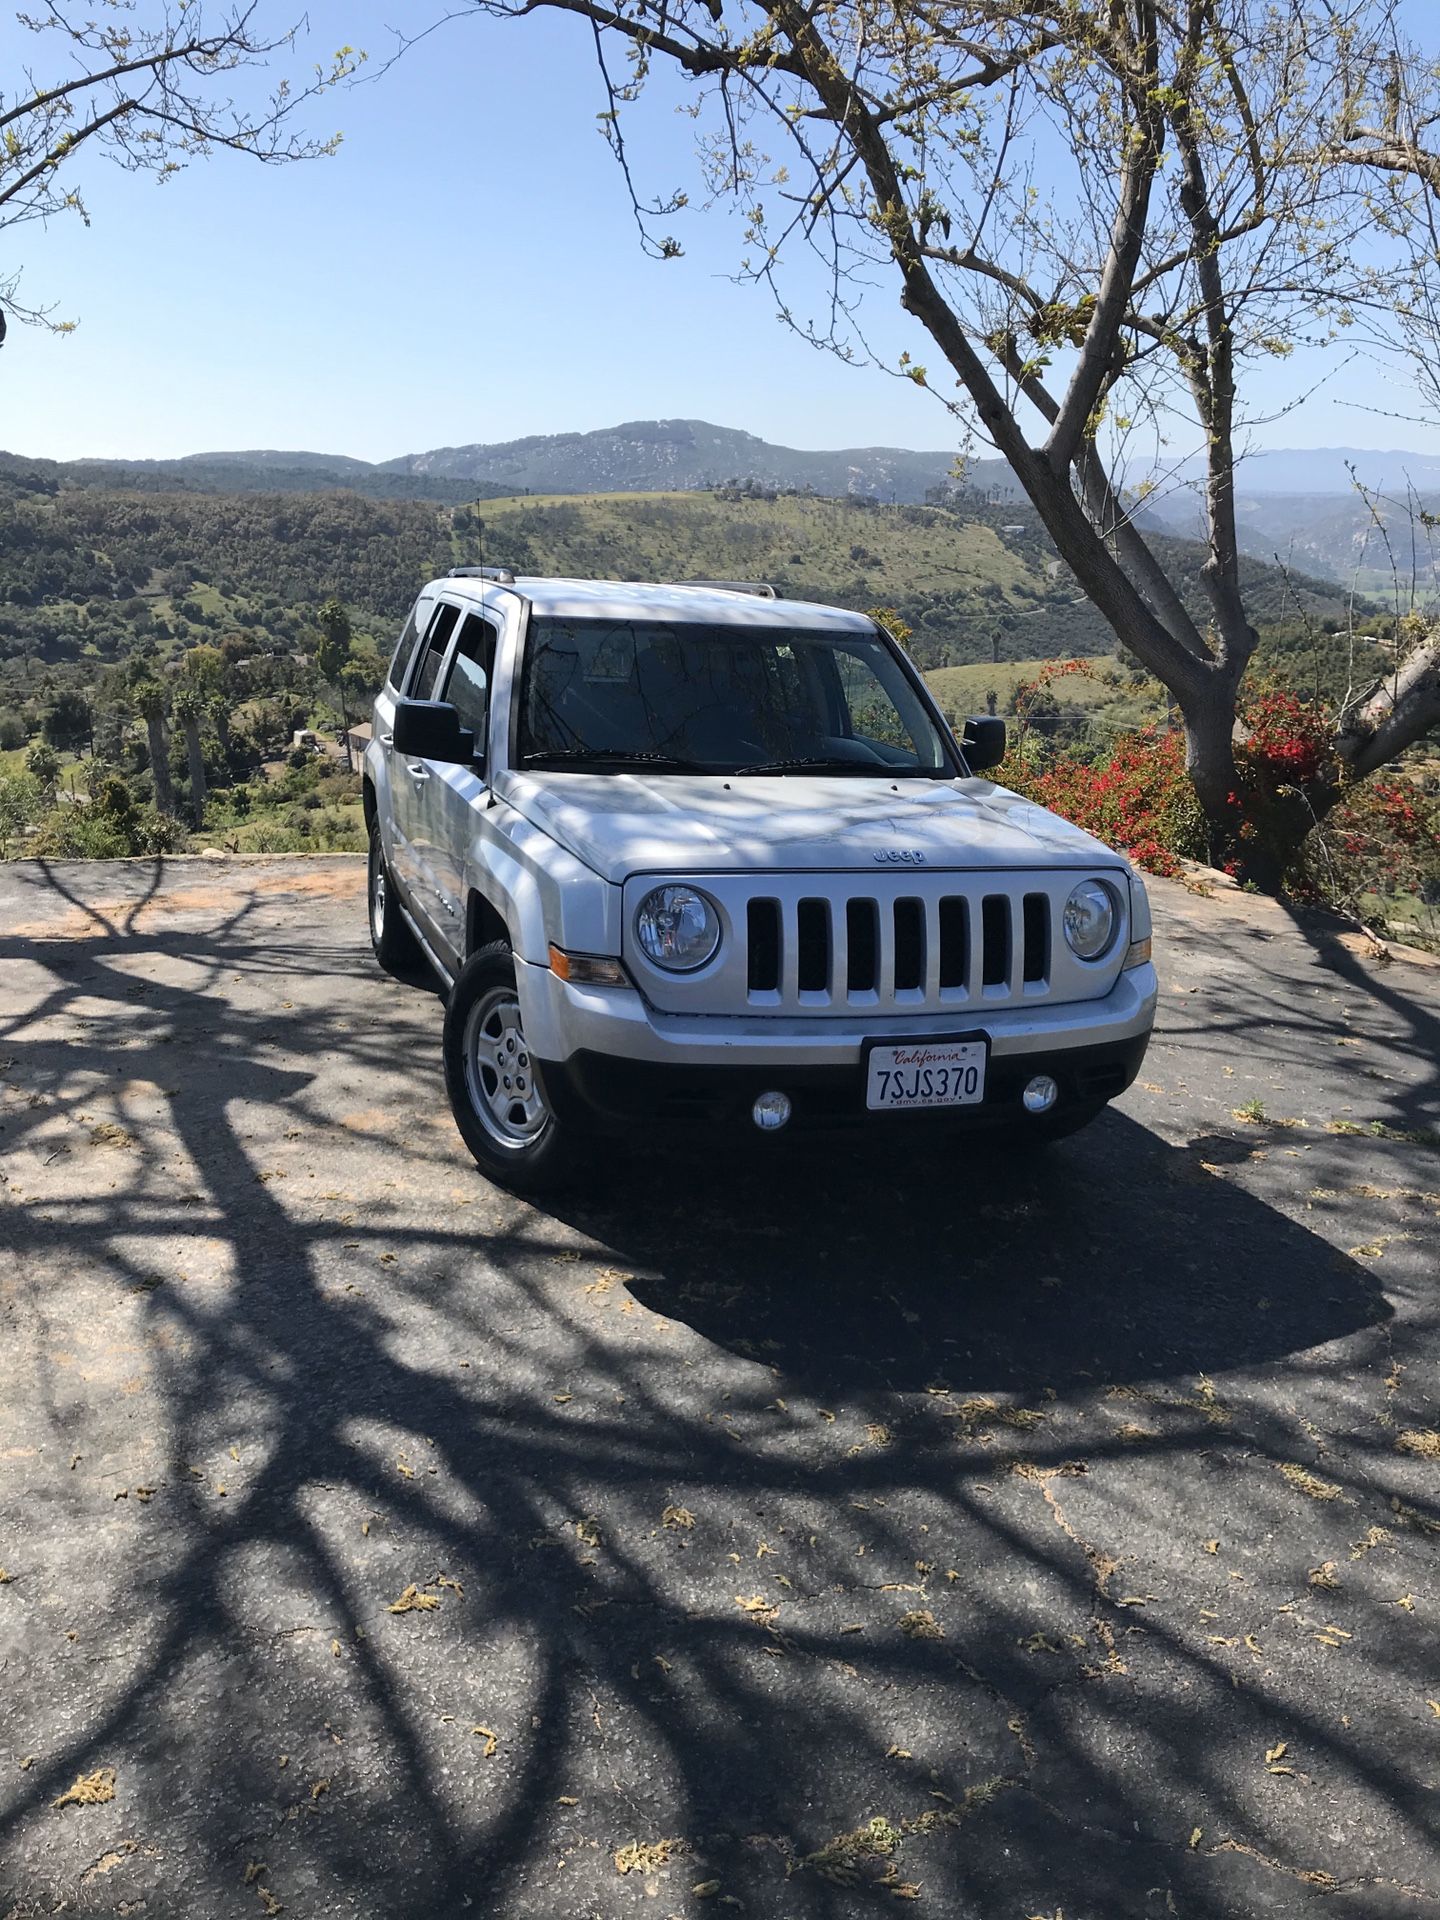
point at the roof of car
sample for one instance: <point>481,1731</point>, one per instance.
<point>560,599</point>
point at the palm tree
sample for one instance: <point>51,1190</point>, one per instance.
<point>189,708</point>
<point>332,656</point>
<point>149,698</point>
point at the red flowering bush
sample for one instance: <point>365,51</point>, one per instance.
<point>1378,855</point>
<point>1136,796</point>
<point>1289,741</point>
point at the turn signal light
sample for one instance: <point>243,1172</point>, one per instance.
<point>1137,956</point>
<point>586,969</point>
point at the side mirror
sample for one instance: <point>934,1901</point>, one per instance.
<point>983,742</point>
<point>431,730</point>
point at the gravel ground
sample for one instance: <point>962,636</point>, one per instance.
<point>1016,1537</point>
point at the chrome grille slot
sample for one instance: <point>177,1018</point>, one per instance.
<point>763,931</point>
<point>862,946</point>
<point>909,946</point>
<point>812,972</point>
<point>954,942</point>
<point>995,940</point>
<point>1036,965</point>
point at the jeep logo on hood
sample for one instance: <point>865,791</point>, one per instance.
<point>901,857</point>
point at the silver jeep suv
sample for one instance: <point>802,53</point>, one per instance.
<point>696,856</point>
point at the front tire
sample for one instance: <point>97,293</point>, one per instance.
<point>496,1096</point>
<point>396,947</point>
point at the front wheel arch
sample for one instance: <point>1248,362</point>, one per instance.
<point>485,925</point>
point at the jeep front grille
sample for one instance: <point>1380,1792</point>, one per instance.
<point>864,950</point>
<point>845,943</point>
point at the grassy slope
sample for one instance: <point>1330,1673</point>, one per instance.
<point>794,540</point>
<point>964,688</point>
<point>807,548</point>
<point>971,589</point>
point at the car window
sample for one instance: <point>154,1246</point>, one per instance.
<point>436,641</point>
<point>405,648</point>
<point>467,686</point>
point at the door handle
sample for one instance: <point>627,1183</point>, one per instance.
<point>387,739</point>
<point>419,772</point>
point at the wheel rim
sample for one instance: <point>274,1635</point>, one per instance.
<point>377,898</point>
<point>499,1073</point>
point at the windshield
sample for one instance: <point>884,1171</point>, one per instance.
<point>722,699</point>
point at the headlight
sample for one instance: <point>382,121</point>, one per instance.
<point>678,928</point>
<point>1090,919</point>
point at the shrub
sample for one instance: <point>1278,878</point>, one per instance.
<point>21,800</point>
<point>12,732</point>
<point>158,833</point>
<point>1135,796</point>
<point>275,839</point>
<point>111,796</point>
<point>44,763</point>
<point>1378,856</point>
<point>82,833</point>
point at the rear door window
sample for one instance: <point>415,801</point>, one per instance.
<point>405,647</point>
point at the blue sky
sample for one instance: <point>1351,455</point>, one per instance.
<point>465,269</point>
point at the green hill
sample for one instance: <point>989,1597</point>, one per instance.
<point>94,573</point>
<point>982,583</point>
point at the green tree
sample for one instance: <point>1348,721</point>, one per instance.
<point>43,763</point>
<point>197,698</point>
<point>332,657</point>
<point>67,721</point>
<point>21,800</point>
<point>151,703</point>
<point>189,706</point>
<point>1190,226</point>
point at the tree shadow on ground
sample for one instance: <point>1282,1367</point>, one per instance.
<point>830,1536</point>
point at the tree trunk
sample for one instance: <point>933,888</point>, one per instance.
<point>345,726</point>
<point>1255,838</point>
<point>197,770</point>
<point>157,734</point>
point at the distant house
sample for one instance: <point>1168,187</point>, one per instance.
<point>358,737</point>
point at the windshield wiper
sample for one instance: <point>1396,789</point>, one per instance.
<point>614,755</point>
<point>833,762</point>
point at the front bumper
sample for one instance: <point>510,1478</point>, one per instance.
<point>605,1054</point>
<point>639,1097</point>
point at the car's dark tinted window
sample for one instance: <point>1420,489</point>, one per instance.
<point>467,686</point>
<point>736,698</point>
<point>405,647</point>
<point>436,641</point>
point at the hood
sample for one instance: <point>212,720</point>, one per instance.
<point>625,823</point>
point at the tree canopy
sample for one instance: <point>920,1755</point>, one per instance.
<point>152,86</point>
<point>1101,215</point>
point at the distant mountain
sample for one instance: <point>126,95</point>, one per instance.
<point>641,456</point>
<point>1343,537</point>
<point>259,472</point>
<point>1317,470</point>
<point>671,456</point>
<point>1298,503</point>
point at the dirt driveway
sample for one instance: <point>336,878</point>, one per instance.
<point>1013,1539</point>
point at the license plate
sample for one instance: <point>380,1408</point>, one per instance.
<point>926,1073</point>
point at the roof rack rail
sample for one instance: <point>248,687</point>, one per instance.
<point>502,576</point>
<point>760,588</point>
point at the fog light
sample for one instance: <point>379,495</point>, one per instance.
<point>771,1111</point>
<point>1040,1094</point>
